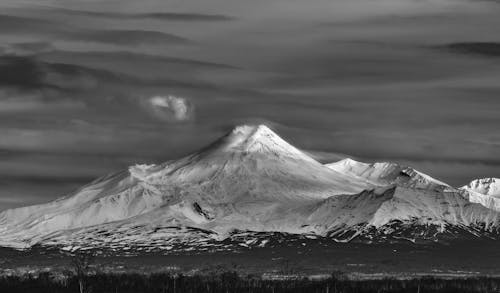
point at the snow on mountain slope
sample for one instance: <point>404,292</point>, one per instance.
<point>421,207</point>
<point>486,186</point>
<point>485,191</point>
<point>372,215</point>
<point>249,180</point>
<point>246,177</point>
<point>488,201</point>
<point>387,173</point>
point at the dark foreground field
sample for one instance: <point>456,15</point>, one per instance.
<point>227,282</point>
<point>468,266</point>
<point>460,259</point>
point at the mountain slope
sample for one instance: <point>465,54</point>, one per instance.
<point>486,186</point>
<point>386,173</point>
<point>251,173</point>
<point>383,214</point>
<point>485,191</point>
<point>249,180</point>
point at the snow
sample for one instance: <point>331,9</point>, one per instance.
<point>249,180</point>
<point>485,191</point>
<point>488,201</point>
<point>486,186</point>
<point>384,173</point>
<point>261,139</point>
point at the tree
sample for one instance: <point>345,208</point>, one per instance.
<point>81,262</point>
<point>287,267</point>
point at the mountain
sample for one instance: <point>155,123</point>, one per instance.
<point>485,191</point>
<point>486,186</point>
<point>385,173</point>
<point>249,173</point>
<point>250,182</point>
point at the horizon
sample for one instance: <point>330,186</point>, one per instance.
<point>89,88</point>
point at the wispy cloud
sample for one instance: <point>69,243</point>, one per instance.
<point>485,49</point>
<point>125,37</point>
<point>23,48</point>
<point>61,30</point>
<point>165,16</point>
<point>12,24</point>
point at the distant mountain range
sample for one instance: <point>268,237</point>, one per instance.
<point>248,188</point>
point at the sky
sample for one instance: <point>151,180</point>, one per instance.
<point>91,87</point>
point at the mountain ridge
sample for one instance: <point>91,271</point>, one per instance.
<point>250,180</point>
<point>487,186</point>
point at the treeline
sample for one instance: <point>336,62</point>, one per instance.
<point>231,282</point>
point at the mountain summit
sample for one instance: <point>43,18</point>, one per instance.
<point>251,181</point>
<point>386,173</point>
<point>485,186</point>
<point>260,139</point>
<point>485,191</point>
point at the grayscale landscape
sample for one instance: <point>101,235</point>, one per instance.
<point>249,146</point>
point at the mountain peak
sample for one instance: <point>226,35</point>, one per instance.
<point>243,136</point>
<point>254,131</point>
<point>251,180</point>
<point>383,173</point>
<point>486,186</point>
<point>260,139</point>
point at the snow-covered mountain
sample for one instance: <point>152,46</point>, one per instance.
<point>486,186</point>
<point>249,181</point>
<point>387,173</point>
<point>485,191</point>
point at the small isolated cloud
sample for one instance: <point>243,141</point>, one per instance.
<point>171,108</point>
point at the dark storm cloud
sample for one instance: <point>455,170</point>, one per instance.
<point>485,49</point>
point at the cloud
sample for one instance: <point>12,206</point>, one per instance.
<point>485,49</point>
<point>171,108</point>
<point>20,72</point>
<point>27,73</point>
<point>124,37</point>
<point>10,24</point>
<point>369,85</point>
<point>166,16</point>
<point>24,48</point>
<point>133,59</point>
<point>30,73</point>
<point>53,29</point>
<point>15,101</point>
